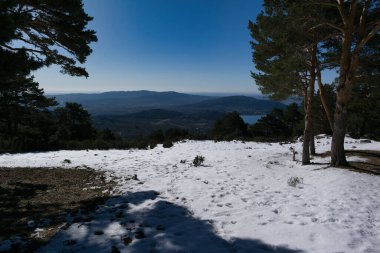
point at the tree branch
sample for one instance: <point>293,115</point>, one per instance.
<point>363,18</point>
<point>21,48</point>
<point>340,7</point>
<point>328,24</point>
<point>364,41</point>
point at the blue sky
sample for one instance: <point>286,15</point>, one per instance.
<point>180,45</point>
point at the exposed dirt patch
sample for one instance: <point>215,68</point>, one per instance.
<point>371,165</point>
<point>46,199</point>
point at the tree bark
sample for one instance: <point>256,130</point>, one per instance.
<point>308,111</point>
<point>338,156</point>
<point>312,140</point>
<point>322,95</point>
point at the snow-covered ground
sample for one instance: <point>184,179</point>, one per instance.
<point>239,201</point>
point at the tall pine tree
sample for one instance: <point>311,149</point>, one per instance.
<point>53,32</point>
<point>21,101</point>
<point>352,25</point>
<point>287,58</point>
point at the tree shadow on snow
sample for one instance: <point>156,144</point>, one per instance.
<point>145,222</point>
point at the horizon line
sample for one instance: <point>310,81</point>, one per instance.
<point>60,92</point>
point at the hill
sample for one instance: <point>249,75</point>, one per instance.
<point>241,104</point>
<point>125,102</point>
<point>145,122</point>
<point>133,113</point>
<point>122,102</point>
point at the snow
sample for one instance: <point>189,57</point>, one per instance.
<point>239,201</point>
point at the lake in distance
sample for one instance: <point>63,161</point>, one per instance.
<point>251,119</point>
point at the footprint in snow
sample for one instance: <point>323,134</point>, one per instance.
<point>312,237</point>
<point>244,200</point>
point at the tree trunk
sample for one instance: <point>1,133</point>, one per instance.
<point>308,111</point>
<point>349,61</point>
<point>312,140</point>
<point>322,95</point>
<point>305,151</point>
<point>344,90</point>
<point>363,127</point>
<point>338,156</point>
<point>348,65</point>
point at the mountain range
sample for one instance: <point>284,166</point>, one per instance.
<point>134,113</point>
<point>125,102</point>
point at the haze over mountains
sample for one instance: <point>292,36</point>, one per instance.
<point>134,113</point>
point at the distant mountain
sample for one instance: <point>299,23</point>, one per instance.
<point>126,102</point>
<point>122,102</point>
<point>241,104</point>
<point>133,113</point>
<point>153,114</point>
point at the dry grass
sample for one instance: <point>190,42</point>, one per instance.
<point>46,196</point>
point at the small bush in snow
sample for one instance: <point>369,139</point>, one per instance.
<point>198,160</point>
<point>294,181</point>
<point>183,161</point>
<point>167,144</point>
<point>66,161</point>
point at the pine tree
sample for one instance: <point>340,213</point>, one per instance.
<point>352,26</point>
<point>53,32</point>
<point>335,34</point>
<point>20,98</point>
<point>74,123</point>
<point>286,56</point>
<point>36,34</point>
<point>229,127</point>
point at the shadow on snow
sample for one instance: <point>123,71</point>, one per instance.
<point>145,222</point>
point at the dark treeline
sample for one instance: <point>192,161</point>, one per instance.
<point>32,122</point>
<point>70,127</point>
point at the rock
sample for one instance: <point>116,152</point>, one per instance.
<point>98,232</point>
<point>88,218</point>
<point>139,234</point>
<point>119,214</point>
<point>123,206</point>
<point>127,240</point>
<point>115,250</point>
<point>160,227</point>
<point>70,242</point>
<point>365,141</point>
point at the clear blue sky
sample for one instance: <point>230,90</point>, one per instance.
<point>180,45</point>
